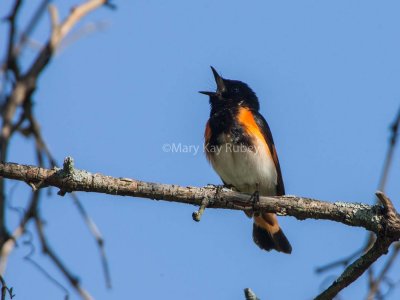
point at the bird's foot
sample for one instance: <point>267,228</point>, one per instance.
<point>255,198</point>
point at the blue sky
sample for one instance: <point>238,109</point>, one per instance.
<point>327,75</point>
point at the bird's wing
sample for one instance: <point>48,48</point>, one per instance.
<point>266,132</point>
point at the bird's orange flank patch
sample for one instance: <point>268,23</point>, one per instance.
<point>207,133</point>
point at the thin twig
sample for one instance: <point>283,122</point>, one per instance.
<point>5,290</point>
<point>12,65</point>
<point>20,230</point>
<point>49,277</point>
<point>29,258</point>
<point>343,262</point>
<point>389,155</point>
<point>56,260</point>
<point>97,236</point>
<point>380,278</point>
<point>82,32</point>
<point>394,128</point>
<point>11,58</point>
<point>197,214</point>
<point>379,248</point>
<point>36,132</point>
<point>356,269</point>
<point>381,187</point>
<point>31,26</point>
<point>18,90</point>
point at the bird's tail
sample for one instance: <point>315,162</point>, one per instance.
<point>268,235</point>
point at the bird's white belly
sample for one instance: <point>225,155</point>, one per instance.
<point>245,168</point>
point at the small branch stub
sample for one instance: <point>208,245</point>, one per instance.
<point>391,219</point>
<point>250,295</point>
<point>197,214</point>
<point>205,202</point>
<point>68,171</point>
<point>68,166</point>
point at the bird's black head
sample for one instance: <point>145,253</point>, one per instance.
<point>231,93</point>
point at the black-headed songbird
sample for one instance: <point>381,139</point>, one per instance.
<point>239,146</point>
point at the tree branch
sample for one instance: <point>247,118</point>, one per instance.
<point>373,289</point>
<point>20,87</point>
<point>379,248</point>
<point>388,161</point>
<point>25,84</point>
<point>68,179</point>
<point>356,269</point>
<point>383,221</point>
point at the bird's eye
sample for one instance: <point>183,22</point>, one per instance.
<point>235,90</point>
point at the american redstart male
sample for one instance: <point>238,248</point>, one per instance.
<point>239,146</point>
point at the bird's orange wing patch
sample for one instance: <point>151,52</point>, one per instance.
<point>246,119</point>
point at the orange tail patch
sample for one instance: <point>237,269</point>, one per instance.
<point>268,235</point>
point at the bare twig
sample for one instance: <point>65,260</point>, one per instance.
<point>11,58</point>
<point>82,32</point>
<point>26,83</point>
<point>381,187</point>
<point>11,64</point>
<point>373,290</point>
<point>379,248</point>
<point>389,155</point>
<point>5,290</point>
<point>197,214</point>
<point>19,231</point>
<point>343,262</point>
<point>56,260</point>
<point>61,30</point>
<point>371,237</point>
<point>97,236</point>
<point>356,269</point>
<point>30,27</point>
<point>17,93</point>
<point>29,257</point>
<point>34,129</point>
<point>49,276</point>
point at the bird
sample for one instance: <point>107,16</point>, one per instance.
<point>238,144</point>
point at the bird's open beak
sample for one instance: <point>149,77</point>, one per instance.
<point>207,93</point>
<point>220,84</point>
<point>219,80</point>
